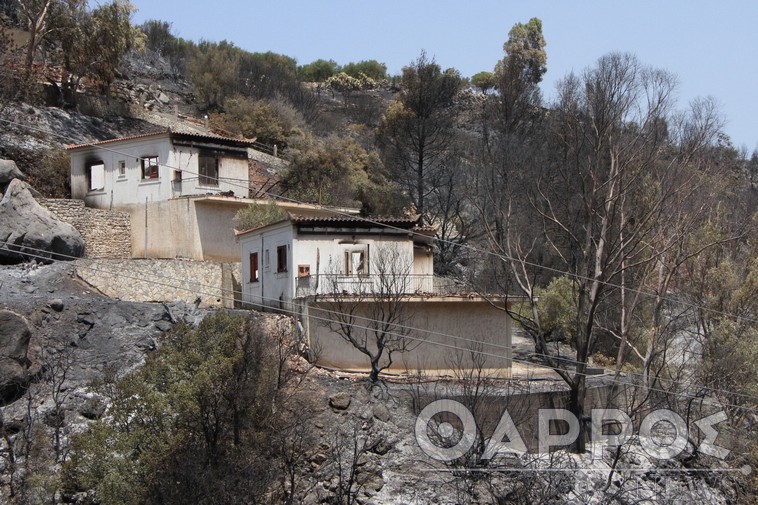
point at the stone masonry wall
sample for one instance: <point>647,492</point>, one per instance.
<point>164,280</point>
<point>106,233</point>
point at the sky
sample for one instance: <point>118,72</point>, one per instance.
<point>711,48</point>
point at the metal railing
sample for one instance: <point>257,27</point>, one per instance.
<point>339,284</point>
<point>204,185</point>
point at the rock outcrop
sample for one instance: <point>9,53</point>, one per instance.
<point>28,230</point>
<point>14,343</point>
<point>8,172</point>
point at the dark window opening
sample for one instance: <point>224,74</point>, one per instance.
<point>254,272</point>
<point>150,167</point>
<point>208,170</point>
<point>281,259</point>
<point>356,263</point>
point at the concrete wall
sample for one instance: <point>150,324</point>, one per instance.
<point>185,228</point>
<point>444,326</point>
<point>106,234</point>
<point>152,280</point>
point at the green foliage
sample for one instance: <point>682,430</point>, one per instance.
<point>158,38</point>
<point>271,123</point>
<point>485,81</point>
<point>255,215</point>
<point>557,308</point>
<point>525,51</point>
<point>371,69</point>
<point>318,71</point>
<point>111,37</point>
<point>338,172</point>
<point>214,72</point>
<point>345,83</point>
<point>194,424</point>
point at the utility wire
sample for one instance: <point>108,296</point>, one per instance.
<point>391,333</point>
<point>471,248</point>
<point>385,225</point>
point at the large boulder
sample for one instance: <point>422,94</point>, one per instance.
<point>14,343</point>
<point>28,230</point>
<point>8,172</point>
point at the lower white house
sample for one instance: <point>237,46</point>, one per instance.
<point>319,268</point>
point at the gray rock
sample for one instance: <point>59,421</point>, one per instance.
<point>92,409</point>
<point>13,380</point>
<point>27,227</point>
<point>382,413</point>
<point>9,171</point>
<point>56,304</point>
<point>14,336</point>
<point>339,401</point>
<point>14,343</point>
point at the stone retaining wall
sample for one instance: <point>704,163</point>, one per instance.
<point>156,280</point>
<point>106,233</point>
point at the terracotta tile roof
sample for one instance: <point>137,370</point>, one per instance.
<point>173,134</point>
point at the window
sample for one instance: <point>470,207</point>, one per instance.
<point>281,259</point>
<point>208,170</point>
<point>96,176</point>
<point>150,167</point>
<point>303,270</point>
<point>356,262</point>
<point>122,168</point>
<point>254,272</point>
<point>177,176</point>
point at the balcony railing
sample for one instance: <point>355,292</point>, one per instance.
<point>204,185</point>
<point>331,284</point>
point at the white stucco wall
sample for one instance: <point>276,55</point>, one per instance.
<point>194,228</point>
<point>129,189</point>
<point>273,289</point>
<point>442,336</point>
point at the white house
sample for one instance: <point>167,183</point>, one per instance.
<point>305,265</point>
<point>302,256</point>
<point>181,190</point>
<point>158,166</point>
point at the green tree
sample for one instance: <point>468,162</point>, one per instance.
<point>485,81</point>
<point>271,123</point>
<point>214,72</point>
<point>318,71</point>
<point>338,172</point>
<point>200,422</point>
<point>518,74</point>
<point>112,36</point>
<point>256,215</point>
<point>370,68</point>
<point>417,128</point>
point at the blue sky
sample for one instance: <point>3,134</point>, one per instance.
<point>710,47</point>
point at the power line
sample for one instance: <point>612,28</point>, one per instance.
<point>471,248</point>
<point>395,334</point>
<point>389,226</point>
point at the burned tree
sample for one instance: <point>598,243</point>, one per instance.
<point>370,310</point>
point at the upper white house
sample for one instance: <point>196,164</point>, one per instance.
<point>181,189</point>
<point>158,166</point>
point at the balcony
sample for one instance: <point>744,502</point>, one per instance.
<point>338,284</point>
<point>204,185</point>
